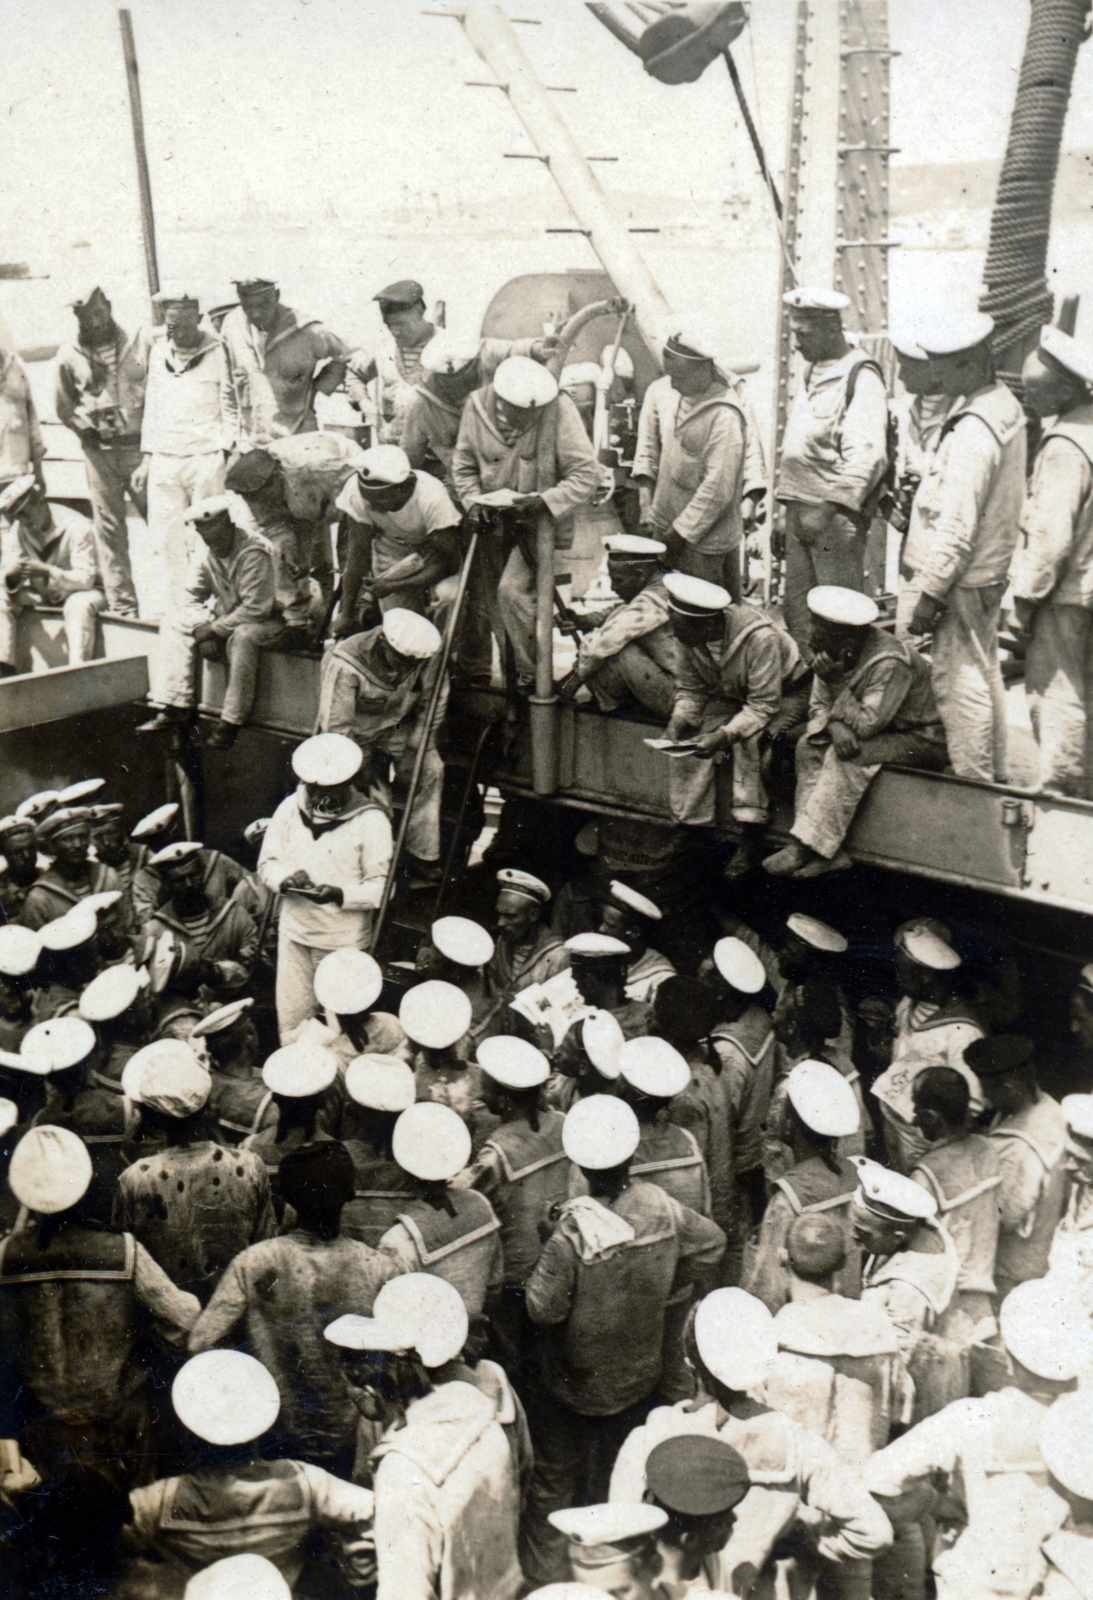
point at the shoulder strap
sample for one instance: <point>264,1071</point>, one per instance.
<point>428,1257</point>
<point>753,625</point>
<point>673,1163</point>
<point>855,373</point>
<point>515,1174</point>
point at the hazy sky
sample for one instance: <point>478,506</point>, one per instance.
<point>342,108</point>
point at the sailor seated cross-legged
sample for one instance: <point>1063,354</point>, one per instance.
<point>871,703</point>
<point>629,649</point>
<point>47,556</point>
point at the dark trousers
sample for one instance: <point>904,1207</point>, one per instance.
<point>574,1455</point>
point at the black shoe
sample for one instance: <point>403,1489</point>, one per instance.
<point>524,686</point>
<point>222,736</point>
<point>423,874</point>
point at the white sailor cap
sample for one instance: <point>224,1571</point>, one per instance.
<point>927,949</point>
<point>242,1577</point>
<point>58,1044</point>
<point>633,901</point>
<point>596,947</point>
<point>75,928</point>
<point>459,939</point>
<point>223,1018</point>
<point>823,1099</point>
<point>157,821</point>
<point>1064,1443</point>
<point>449,352</point>
<point>524,383</point>
<point>80,791</point>
<point>327,759</point>
<point>299,1070</point>
<point>904,341</point>
<point>633,547</point>
<point>65,819</point>
<point>1076,358</point>
<point>815,300</point>
<point>435,1014</point>
<point>50,1170</point>
<point>16,491</point>
<point>384,466</point>
<point>19,950</point>
<point>654,1067</point>
<point>413,636</point>
<point>525,883</point>
<point>174,291</point>
<point>173,855</point>
<point>513,1062</point>
<point>167,1076</point>
<point>734,1333</point>
<point>257,829</point>
<point>252,277</point>
<point>15,824</point>
<point>354,1331</point>
<point>691,334</point>
<point>380,1083</point>
<point>740,967</point>
<point>1085,977</point>
<point>810,930</point>
<point>1046,1328</point>
<point>1078,1111</point>
<point>9,1116</point>
<point>889,1194</point>
<point>37,805</point>
<point>431,1142</point>
<point>600,1132</point>
<point>569,1591</point>
<point>213,506</point>
<point>225,1397</point>
<point>104,900</point>
<point>950,333</point>
<point>847,607</point>
<point>112,992</point>
<point>607,1526</point>
<point>431,1310</point>
<point>694,597</point>
<point>602,1038</point>
<point>348,981</point>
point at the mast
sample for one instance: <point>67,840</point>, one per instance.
<point>147,216</point>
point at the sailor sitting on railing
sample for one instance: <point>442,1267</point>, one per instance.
<point>47,554</point>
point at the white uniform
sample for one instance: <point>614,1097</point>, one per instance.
<point>183,432</point>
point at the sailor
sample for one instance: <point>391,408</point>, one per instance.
<point>519,433</point>
<point>459,951</point>
<point>47,557</point>
<point>155,832</point>
<point>329,829</point>
<point>599,965</point>
<point>522,1170</point>
<point>193,1205</point>
<point>1064,1444</point>
<point>629,649</point>
<point>611,1543</point>
<point>690,459</point>
<point>401,537</point>
<point>70,960</point>
<point>651,1074</point>
<point>347,985</point>
<point>910,1269</point>
<point>20,950</point>
<point>451,1232</point>
<point>601,1286</point>
<point>577,905</point>
<point>300,1078</point>
<point>375,689</point>
<point>99,395</point>
<point>436,1017</point>
<point>75,1299</point>
<point>871,703</point>
<point>182,436</point>
<point>201,941</point>
<point>633,918</point>
<point>922,411</point>
<point>963,532</point>
<point>740,683</point>
<point>66,835</point>
<point>587,1060</point>
<point>698,1483</point>
<point>1071,1258</point>
<point>272,356</point>
<point>20,869</point>
<point>527,951</point>
<point>819,1110</point>
<point>285,1290</point>
<point>834,457</point>
<point>447,1495</point>
<point>980,1465</point>
<point>1029,1130</point>
<point>1052,572</point>
<point>743,1041</point>
<point>960,1168</point>
<point>228,611</point>
<point>452,366</point>
<point>838,1369</point>
<point>731,1344</point>
<point>684,1015</point>
<point>379,1089</point>
<point>22,447</point>
<point>196,1523</point>
<point>395,366</point>
<point>934,1024</point>
<point>239,1102</point>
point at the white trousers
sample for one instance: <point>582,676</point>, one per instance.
<point>295,986</point>
<point>81,612</point>
<point>174,483</point>
<point>967,678</point>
